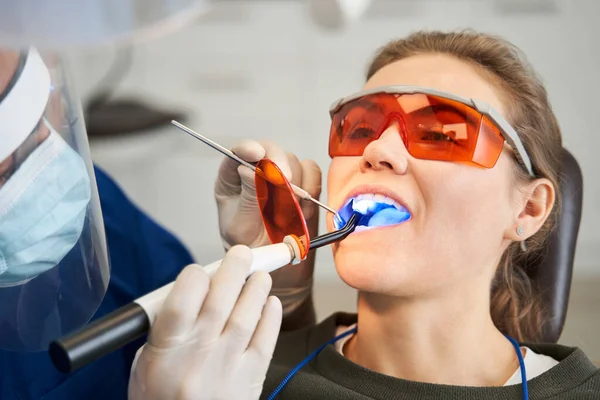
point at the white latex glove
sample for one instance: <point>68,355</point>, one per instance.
<point>239,216</point>
<point>213,339</point>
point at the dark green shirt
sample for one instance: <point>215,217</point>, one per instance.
<point>332,376</point>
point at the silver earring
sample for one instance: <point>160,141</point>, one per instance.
<point>522,244</point>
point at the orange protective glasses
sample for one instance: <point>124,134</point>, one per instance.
<point>433,125</point>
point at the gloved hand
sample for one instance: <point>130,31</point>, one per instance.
<point>239,216</point>
<point>212,339</point>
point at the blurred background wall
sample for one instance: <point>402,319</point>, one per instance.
<point>265,70</point>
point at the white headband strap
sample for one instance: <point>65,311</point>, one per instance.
<point>23,107</point>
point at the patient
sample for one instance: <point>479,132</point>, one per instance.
<point>445,307</point>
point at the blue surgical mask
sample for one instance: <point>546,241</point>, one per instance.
<point>43,208</point>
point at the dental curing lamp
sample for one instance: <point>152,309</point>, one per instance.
<point>134,320</point>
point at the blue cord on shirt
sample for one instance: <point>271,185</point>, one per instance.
<point>306,361</point>
<point>312,355</point>
<point>522,365</point>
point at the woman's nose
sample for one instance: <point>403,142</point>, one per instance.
<point>386,153</point>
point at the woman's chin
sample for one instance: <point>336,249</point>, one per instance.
<point>367,272</point>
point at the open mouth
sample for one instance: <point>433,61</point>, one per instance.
<point>375,211</point>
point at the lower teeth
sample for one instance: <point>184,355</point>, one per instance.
<point>388,216</point>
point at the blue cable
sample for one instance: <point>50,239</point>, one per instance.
<point>312,355</point>
<point>522,365</point>
<point>306,361</point>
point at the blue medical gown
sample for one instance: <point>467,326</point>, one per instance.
<point>144,256</point>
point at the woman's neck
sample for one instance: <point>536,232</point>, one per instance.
<point>444,340</point>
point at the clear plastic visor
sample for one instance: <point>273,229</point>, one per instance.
<point>54,268</point>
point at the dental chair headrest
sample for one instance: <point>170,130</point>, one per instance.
<point>552,276</point>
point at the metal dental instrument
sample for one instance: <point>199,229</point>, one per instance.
<point>303,194</point>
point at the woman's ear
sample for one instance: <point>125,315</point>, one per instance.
<point>536,200</point>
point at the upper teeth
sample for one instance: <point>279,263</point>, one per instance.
<point>363,202</point>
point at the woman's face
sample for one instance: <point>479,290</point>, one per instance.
<point>462,216</point>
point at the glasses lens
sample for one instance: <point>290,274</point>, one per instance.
<point>279,206</point>
<point>359,122</point>
<point>432,127</point>
<point>445,130</point>
<point>489,144</point>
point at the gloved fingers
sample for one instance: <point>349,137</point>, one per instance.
<point>248,188</point>
<point>279,157</point>
<point>296,169</point>
<point>240,221</point>
<point>261,347</point>
<point>244,318</point>
<point>179,312</point>
<point>225,288</point>
<point>228,179</point>
<point>311,182</point>
<point>249,150</point>
<point>138,353</point>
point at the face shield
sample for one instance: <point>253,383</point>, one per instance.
<point>54,269</point>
